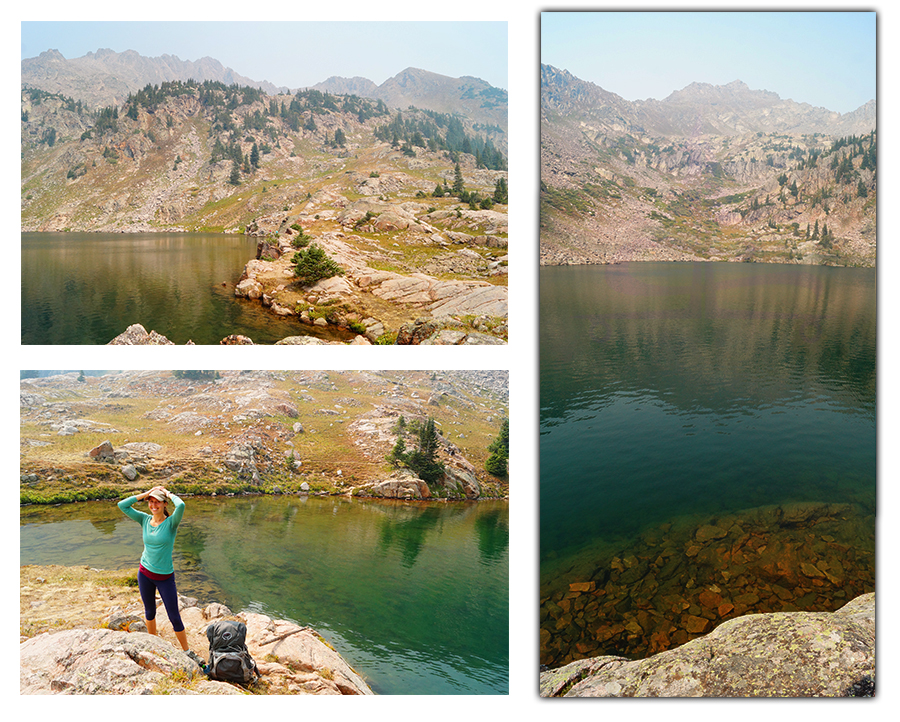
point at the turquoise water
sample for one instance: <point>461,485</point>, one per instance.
<point>674,390</point>
<point>414,596</point>
<point>87,288</point>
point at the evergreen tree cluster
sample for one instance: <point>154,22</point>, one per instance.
<point>422,460</point>
<point>496,464</point>
<point>435,131</point>
<point>197,375</point>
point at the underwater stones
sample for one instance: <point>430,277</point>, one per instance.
<point>582,587</point>
<point>694,624</point>
<point>666,576</point>
<point>709,599</point>
<point>708,532</point>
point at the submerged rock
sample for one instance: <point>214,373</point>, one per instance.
<point>783,654</point>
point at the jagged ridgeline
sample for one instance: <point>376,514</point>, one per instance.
<point>709,173</point>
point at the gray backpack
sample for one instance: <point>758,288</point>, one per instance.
<point>229,660</point>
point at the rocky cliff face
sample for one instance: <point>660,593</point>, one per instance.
<point>708,173</point>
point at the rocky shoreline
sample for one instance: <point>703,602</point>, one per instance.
<point>677,582</point>
<point>799,654</point>
<point>426,310</point>
<point>83,633</point>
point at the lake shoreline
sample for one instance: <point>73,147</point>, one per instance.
<point>105,604</point>
<point>64,495</point>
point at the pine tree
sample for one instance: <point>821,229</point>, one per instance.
<point>499,448</point>
<point>422,460</point>
<point>501,193</point>
<point>254,156</point>
<point>235,177</point>
<point>459,185</point>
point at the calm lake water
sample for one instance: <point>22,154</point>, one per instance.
<point>413,596</point>
<point>87,288</point>
<point>684,391</point>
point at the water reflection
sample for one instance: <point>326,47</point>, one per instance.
<point>87,288</point>
<point>493,536</point>
<point>408,534</point>
<point>715,336</point>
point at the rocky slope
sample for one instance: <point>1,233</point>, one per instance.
<point>800,654</point>
<point>709,173</point>
<point>83,633</point>
<point>472,97</point>
<point>255,432</point>
<point>376,188</point>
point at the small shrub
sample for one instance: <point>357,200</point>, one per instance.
<point>313,264</point>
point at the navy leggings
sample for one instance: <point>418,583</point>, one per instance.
<point>167,593</point>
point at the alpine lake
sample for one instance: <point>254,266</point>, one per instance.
<point>414,596</point>
<point>707,449</point>
<point>87,288</point>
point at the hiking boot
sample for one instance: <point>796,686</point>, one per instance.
<point>196,657</point>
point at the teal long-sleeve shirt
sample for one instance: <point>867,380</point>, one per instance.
<point>159,541</point>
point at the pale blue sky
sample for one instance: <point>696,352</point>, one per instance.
<point>826,59</point>
<point>294,54</point>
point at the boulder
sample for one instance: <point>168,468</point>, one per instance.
<point>102,452</point>
<point>461,480</point>
<point>782,654</point>
<point>136,335</point>
<point>103,661</point>
<point>402,484</point>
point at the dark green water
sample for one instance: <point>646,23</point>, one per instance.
<point>415,597</point>
<point>87,288</point>
<point>671,390</point>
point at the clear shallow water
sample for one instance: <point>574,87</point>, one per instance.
<point>707,449</point>
<point>87,288</point>
<point>415,597</point>
<point>671,389</point>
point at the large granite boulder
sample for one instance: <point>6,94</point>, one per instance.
<point>783,654</point>
<point>103,661</point>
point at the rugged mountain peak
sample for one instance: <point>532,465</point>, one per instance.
<point>107,77</point>
<point>737,91</point>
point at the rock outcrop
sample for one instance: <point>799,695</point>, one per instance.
<point>784,654</point>
<point>291,659</point>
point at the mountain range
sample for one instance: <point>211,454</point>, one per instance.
<point>711,172</point>
<point>107,78</point>
<point>699,108</point>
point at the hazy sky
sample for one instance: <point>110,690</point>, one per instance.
<point>825,59</point>
<point>294,54</point>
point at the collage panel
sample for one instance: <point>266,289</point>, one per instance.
<point>216,186</point>
<point>707,355</point>
<point>298,532</point>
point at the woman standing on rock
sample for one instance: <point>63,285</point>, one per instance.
<point>156,571</point>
